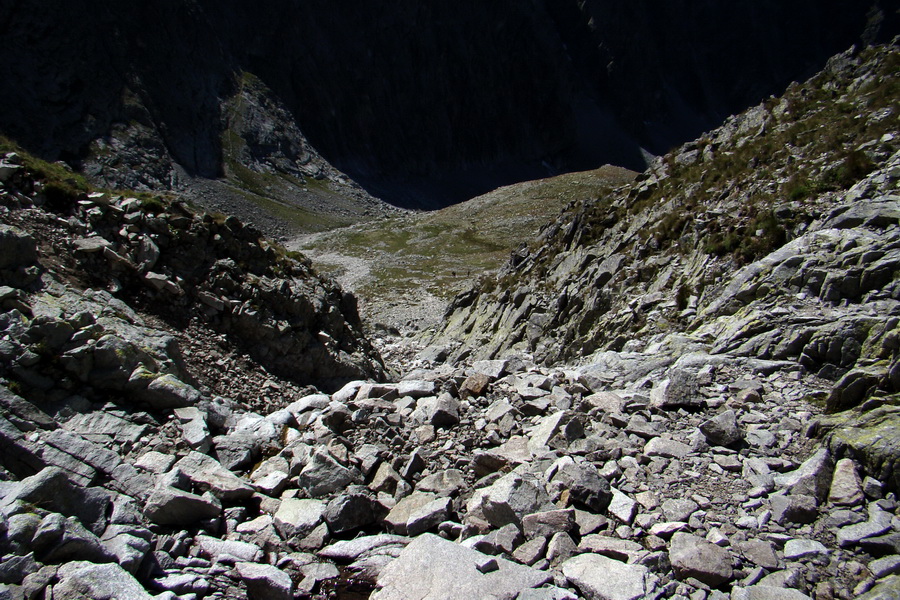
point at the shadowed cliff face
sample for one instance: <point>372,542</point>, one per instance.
<point>423,103</point>
<point>674,69</point>
<point>72,69</point>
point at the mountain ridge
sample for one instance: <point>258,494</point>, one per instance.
<point>551,77</point>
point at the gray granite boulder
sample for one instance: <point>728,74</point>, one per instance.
<point>432,568</point>
<point>510,498</point>
<point>692,556</point>
<point>600,578</point>
<point>80,580</point>
<point>265,582</point>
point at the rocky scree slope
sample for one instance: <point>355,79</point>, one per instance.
<point>424,104</point>
<point>142,459</point>
<point>521,481</point>
<point>146,452</point>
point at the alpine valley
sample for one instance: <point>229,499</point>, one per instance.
<point>490,300</point>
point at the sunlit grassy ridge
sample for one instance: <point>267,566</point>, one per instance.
<point>444,251</point>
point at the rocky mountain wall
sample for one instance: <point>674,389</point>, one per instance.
<point>772,238</point>
<point>398,94</point>
<point>180,269</point>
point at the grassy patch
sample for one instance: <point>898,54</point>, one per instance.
<point>62,187</point>
<point>448,250</point>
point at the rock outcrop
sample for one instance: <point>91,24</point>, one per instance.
<point>180,266</point>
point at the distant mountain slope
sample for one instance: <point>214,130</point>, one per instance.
<point>421,103</point>
<point>405,269</point>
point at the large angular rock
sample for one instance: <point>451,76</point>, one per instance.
<point>15,569</point>
<point>622,507</point>
<point>443,483</point>
<point>399,515</point>
<point>297,517</point>
<point>60,540</point>
<point>439,411</point>
<point>623,550</point>
<point>872,438</point>
<point>759,552</point>
<point>475,385</point>
<point>168,505</point>
<point>794,509</point>
<point>692,556</point>
<point>667,448</point>
<point>265,582</point>
<point>194,429</point>
<point>582,483</point>
<point>797,549</point>
<point>548,523</point>
<point>722,430</point>
<point>351,510</point>
<point>510,498</point>
<point>846,485</point>
<point>208,474</point>
<point>167,391</point>
<point>429,516</point>
<point>464,574</point>
<point>555,430</point>
<point>678,509</point>
<point>215,548</point>
<point>812,478</point>
<point>17,248</point>
<point>494,369</point>
<point>323,474</point>
<point>129,544</point>
<point>261,532</point>
<point>887,589</point>
<point>677,390</point>
<point>600,578</point>
<point>878,523</point>
<point>548,592</point>
<point>95,426</point>
<point>52,490</point>
<point>416,388</point>
<point>349,550</point>
<point>79,580</point>
<point>765,592</point>
<point>235,450</point>
<point>500,541</point>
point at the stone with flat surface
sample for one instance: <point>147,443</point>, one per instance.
<point>413,574</point>
<point>600,578</point>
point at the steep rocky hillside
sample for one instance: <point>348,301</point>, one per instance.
<point>772,238</point>
<point>71,256</point>
<point>421,103</point>
<point>681,246</point>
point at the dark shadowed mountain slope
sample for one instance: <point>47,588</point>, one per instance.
<point>423,103</point>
